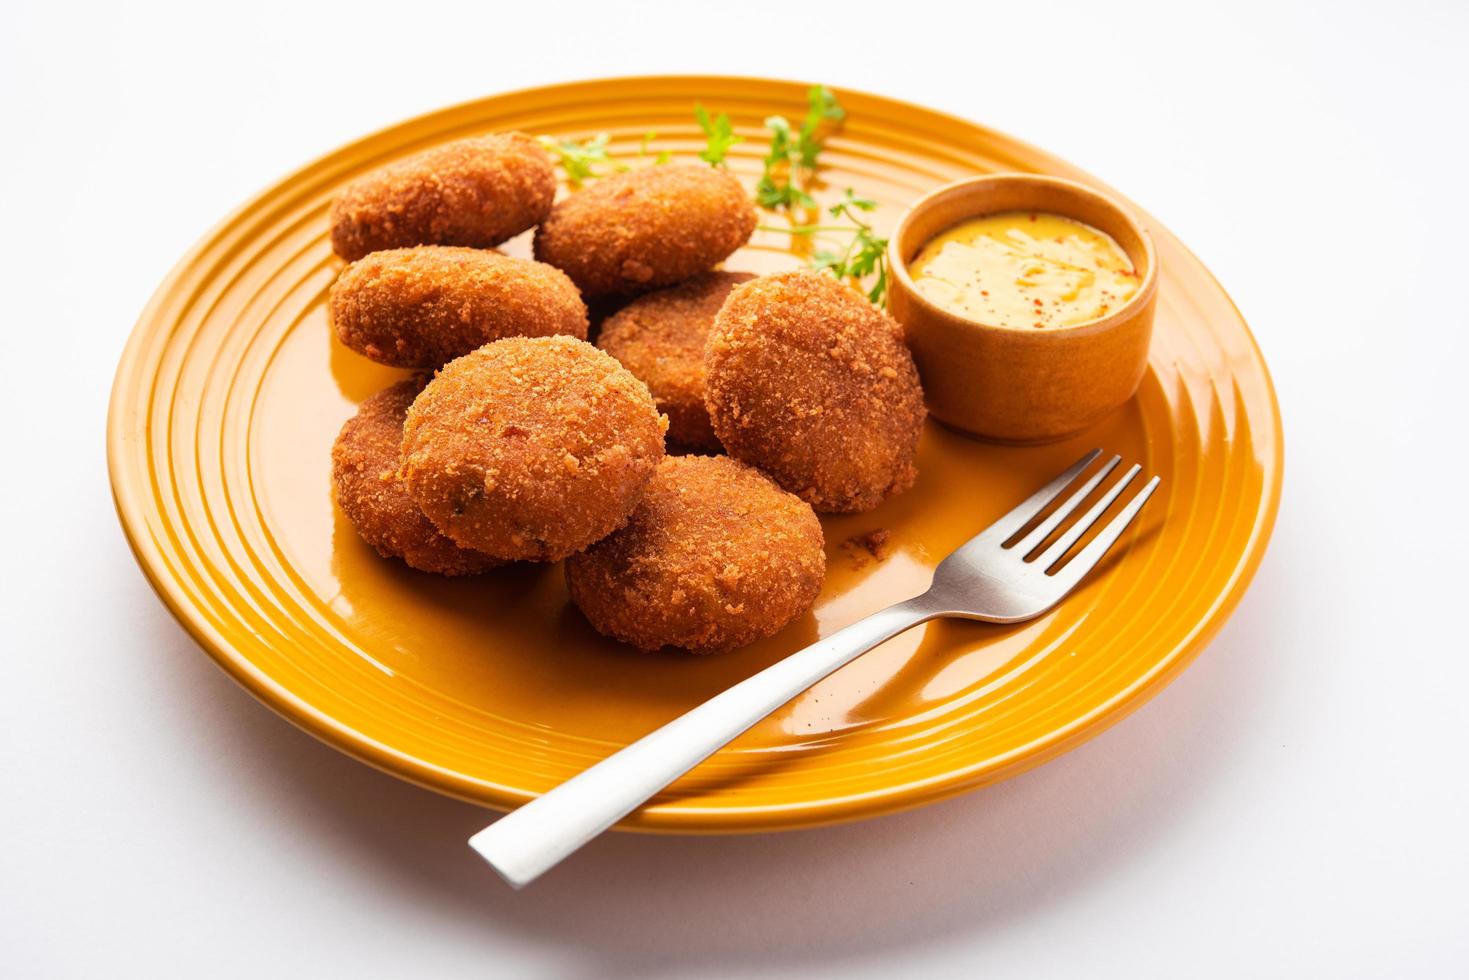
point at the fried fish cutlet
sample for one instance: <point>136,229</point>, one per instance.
<point>813,384</point>
<point>647,228</point>
<point>715,556</point>
<point>478,192</point>
<point>660,338</point>
<point>531,448</point>
<point>422,307</point>
<point>374,498</point>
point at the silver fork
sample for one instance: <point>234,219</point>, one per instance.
<point>988,578</point>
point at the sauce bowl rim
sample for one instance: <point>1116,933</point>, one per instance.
<point>898,263</point>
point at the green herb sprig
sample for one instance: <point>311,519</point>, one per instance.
<point>580,161</point>
<point>824,115</point>
<point>663,155</point>
<point>790,165</point>
<point>866,252</point>
<point>719,134</point>
<point>589,159</point>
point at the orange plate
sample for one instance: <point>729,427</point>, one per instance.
<point>494,689</point>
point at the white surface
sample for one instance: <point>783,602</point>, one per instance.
<point>1293,805</point>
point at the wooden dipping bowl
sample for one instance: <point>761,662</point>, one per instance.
<point>1022,385</point>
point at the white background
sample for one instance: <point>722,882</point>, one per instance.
<point>1295,804</point>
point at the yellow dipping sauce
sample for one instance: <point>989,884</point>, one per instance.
<point>1025,269</point>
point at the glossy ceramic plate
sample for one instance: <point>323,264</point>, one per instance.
<point>494,689</point>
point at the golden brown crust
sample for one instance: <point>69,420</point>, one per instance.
<point>374,498</point>
<point>647,228</point>
<point>813,384</point>
<point>660,338</point>
<point>476,192</point>
<point>716,556</point>
<point>531,448</point>
<point>424,306</point>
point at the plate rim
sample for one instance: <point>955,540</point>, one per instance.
<point>132,516</point>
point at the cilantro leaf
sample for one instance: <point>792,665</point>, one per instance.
<point>720,134</point>
<point>790,164</point>
<point>824,114</point>
<point>851,200</point>
<point>579,160</point>
<point>866,252</point>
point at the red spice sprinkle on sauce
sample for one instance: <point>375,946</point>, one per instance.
<point>1033,271</point>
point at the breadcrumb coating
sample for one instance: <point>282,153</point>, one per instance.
<point>477,192</point>
<point>531,448</point>
<point>373,497</point>
<point>813,384</point>
<point>422,307</point>
<point>646,228</point>
<point>715,556</point>
<point>660,338</point>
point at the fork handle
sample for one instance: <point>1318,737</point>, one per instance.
<point>531,840</point>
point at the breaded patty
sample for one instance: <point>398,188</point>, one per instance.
<point>716,556</point>
<point>424,306</point>
<point>477,192</point>
<point>531,448</point>
<point>813,384</point>
<point>375,499</point>
<point>646,228</point>
<point>660,338</point>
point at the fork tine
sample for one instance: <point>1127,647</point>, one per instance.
<point>1043,530</point>
<point>1087,558</point>
<point>1083,523</point>
<point>1017,518</point>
